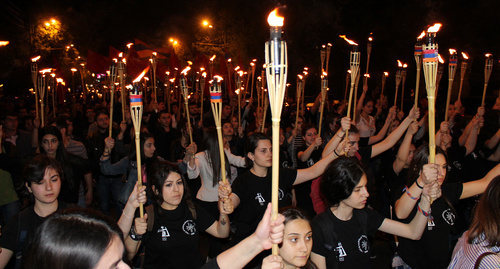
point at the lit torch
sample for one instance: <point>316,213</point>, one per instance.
<point>324,87</point>
<point>463,69</point>
<point>398,81</point>
<point>216,102</point>
<point>440,73</point>
<point>112,80</point>
<point>276,73</point>
<point>418,61</point>
<point>403,79</point>
<point>368,52</point>
<point>354,64</point>
<point>185,94</point>
<point>488,66</point>
<point>34,75</point>
<point>452,68</point>
<point>384,79</point>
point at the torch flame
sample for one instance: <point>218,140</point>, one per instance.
<point>4,43</point>
<point>300,77</point>
<point>386,74</point>
<point>36,58</point>
<point>488,55</point>
<point>155,53</point>
<point>120,54</point>
<point>129,45</point>
<point>405,65</point>
<point>59,80</point>
<point>237,68</point>
<point>400,64</point>
<point>349,71</point>
<point>202,69</point>
<point>190,63</point>
<point>440,59</point>
<point>452,51</point>
<point>204,74</point>
<point>184,72</point>
<point>348,41</point>
<point>435,28</point>
<point>252,64</point>
<point>212,59</point>
<point>229,60</point>
<point>370,39</point>
<point>421,35</point>
<point>240,73</point>
<point>367,75</point>
<point>323,46</point>
<point>124,60</point>
<point>73,70</point>
<point>325,74</point>
<point>329,44</point>
<point>115,60</point>
<point>274,19</point>
<point>465,56</point>
<point>219,78</point>
<point>138,79</point>
<point>48,70</point>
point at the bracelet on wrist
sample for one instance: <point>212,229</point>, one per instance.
<point>409,194</point>
<point>426,214</point>
<point>335,152</point>
<point>418,185</point>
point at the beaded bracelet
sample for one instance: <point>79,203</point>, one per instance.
<point>426,214</point>
<point>409,194</point>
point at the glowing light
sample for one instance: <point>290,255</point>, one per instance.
<point>129,45</point>
<point>386,74</point>
<point>488,55</point>
<point>421,35</point>
<point>47,70</point>
<point>400,64</point>
<point>138,79</point>
<point>300,77</point>
<point>348,40</point>
<point>213,58</point>
<point>35,58</point>
<point>73,70</point>
<point>435,28</point>
<point>440,59</point>
<point>452,51</point>
<point>184,72</point>
<point>274,19</point>
<point>204,74</point>
<point>465,56</point>
<point>405,65</point>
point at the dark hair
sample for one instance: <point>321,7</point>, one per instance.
<point>486,219</point>
<point>306,127</point>
<point>74,238</point>
<point>353,129</point>
<point>420,158</point>
<point>251,145</point>
<point>34,171</point>
<point>52,130</point>
<point>62,121</point>
<point>211,142</point>
<point>157,175</point>
<point>366,100</point>
<point>143,137</point>
<point>340,178</point>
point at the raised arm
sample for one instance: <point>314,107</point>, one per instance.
<point>317,169</point>
<point>493,141</point>
<point>304,155</point>
<point>345,124</point>
<point>222,227</point>
<point>137,197</point>
<point>404,149</point>
<point>391,140</point>
<point>381,134</point>
<point>478,186</point>
<point>359,105</point>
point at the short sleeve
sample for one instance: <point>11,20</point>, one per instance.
<point>287,176</point>
<point>8,240</point>
<point>212,264</point>
<point>318,237</point>
<point>453,191</point>
<point>203,219</point>
<point>375,220</point>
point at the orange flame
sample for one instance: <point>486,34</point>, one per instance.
<point>329,44</point>
<point>190,63</point>
<point>370,39</point>
<point>4,43</point>
<point>386,74</point>
<point>229,60</point>
<point>349,71</point>
<point>184,72</point>
<point>237,68</point>
<point>348,41</point>
<point>204,74</point>
<point>213,57</point>
<point>405,65</point>
<point>155,54</point>
<point>240,73</point>
<point>48,70</point>
<point>367,75</point>
<point>465,56</point>
<point>120,54</point>
<point>440,59</point>
<point>323,46</point>
<point>435,28</point>
<point>254,60</point>
<point>115,60</point>
<point>73,70</point>
<point>452,51</point>
<point>219,78</point>
<point>306,68</point>
<point>252,64</point>
<point>300,77</point>
<point>138,79</point>
<point>36,58</point>
<point>124,60</point>
<point>274,19</point>
<point>488,55</point>
<point>421,35</point>
<point>400,64</point>
<point>129,45</point>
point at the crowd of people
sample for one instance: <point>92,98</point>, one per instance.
<point>71,192</point>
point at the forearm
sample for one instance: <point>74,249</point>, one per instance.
<point>465,135</point>
<point>493,141</point>
<point>402,155</point>
<point>223,226</point>
<point>417,225</point>
<point>470,144</point>
<point>131,247</point>
<point>239,255</point>
<point>127,219</point>
<point>88,182</point>
<point>333,143</point>
<point>381,134</point>
<point>405,204</point>
<point>304,155</point>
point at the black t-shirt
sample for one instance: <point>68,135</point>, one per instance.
<point>364,155</point>
<point>255,193</point>
<point>174,239</point>
<point>74,170</point>
<point>21,229</point>
<point>314,158</point>
<point>351,236</point>
<point>433,249</point>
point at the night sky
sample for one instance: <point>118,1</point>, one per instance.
<point>469,26</point>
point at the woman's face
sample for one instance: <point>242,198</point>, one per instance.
<point>50,144</point>
<point>368,108</point>
<point>172,191</point>
<point>262,155</point>
<point>310,136</point>
<point>227,129</point>
<point>410,155</point>
<point>442,168</point>
<point>47,190</point>
<point>359,195</point>
<point>282,137</point>
<point>149,147</point>
<point>234,122</point>
<point>297,243</point>
<point>113,256</point>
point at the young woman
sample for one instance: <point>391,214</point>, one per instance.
<point>434,244</point>
<point>484,233</point>
<point>297,243</point>
<point>75,169</point>
<point>252,190</point>
<point>340,234</point>
<point>170,228</point>
<point>128,164</point>
<point>42,182</point>
<point>77,239</point>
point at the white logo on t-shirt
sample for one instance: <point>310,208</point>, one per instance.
<point>164,233</point>
<point>260,198</point>
<point>363,244</point>
<point>341,251</point>
<point>189,227</point>
<point>449,217</point>
<point>281,194</point>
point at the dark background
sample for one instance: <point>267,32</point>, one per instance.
<point>469,26</point>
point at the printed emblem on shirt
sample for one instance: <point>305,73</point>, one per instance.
<point>281,194</point>
<point>341,252</point>
<point>458,165</point>
<point>164,233</point>
<point>363,245</point>
<point>260,198</point>
<point>449,217</point>
<point>189,227</point>
<point>310,162</point>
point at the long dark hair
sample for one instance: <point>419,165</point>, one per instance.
<point>157,175</point>
<point>340,178</point>
<point>74,238</point>
<point>211,142</point>
<point>252,143</point>
<point>486,221</point>
<point>61,154</point>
